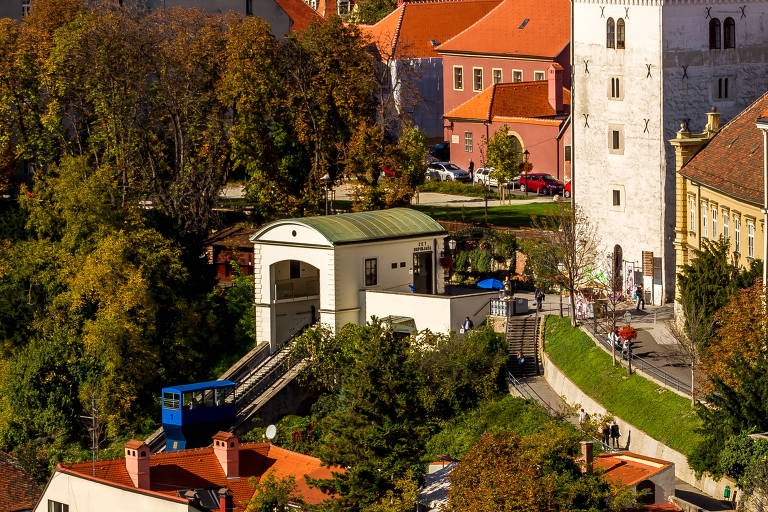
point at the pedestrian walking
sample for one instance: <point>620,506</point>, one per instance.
<point>468,324</point>
<point>640,298</point>
<point>472,171</point>
<point>539,296</point>
<point>605,432</point>
<point>615,434</point>
<point>582,418</point>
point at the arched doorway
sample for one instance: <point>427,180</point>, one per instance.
<point>646,491</point>
<point>617,273</point>
<point>295,298</point>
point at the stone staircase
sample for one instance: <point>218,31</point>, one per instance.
<point>522,337</point>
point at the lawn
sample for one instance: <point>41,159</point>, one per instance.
<point>513,216</point>
<point>462,189</point>
<point>660,413</point>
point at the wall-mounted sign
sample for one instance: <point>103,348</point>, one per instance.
<point>454,139</point>
<point>423,247</point>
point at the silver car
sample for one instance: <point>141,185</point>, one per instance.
<point>448,171</point>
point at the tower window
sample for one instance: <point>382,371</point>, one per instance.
<point>617,198</point>
<point>729,33</point>
<point>620,33</point>
<point>714,34</point>
<point>722,88</point>
<point>615,139</point>
<point>249,7</point>
<point>610,34</point>
<point>615,88</point>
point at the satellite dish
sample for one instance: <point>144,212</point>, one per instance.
<point>271,432</point>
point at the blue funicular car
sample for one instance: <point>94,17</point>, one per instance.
<point>192,413</point>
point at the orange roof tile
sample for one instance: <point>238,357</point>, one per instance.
<point>408,31</point>
<point>17,490</point>
<point>518,100</point>
<point>300,13</point>
<point>505,31</point>
<point>732,161</point>
<point>199,468</point>
<point>627,468</point>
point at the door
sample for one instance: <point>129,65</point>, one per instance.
<point>422,272</point>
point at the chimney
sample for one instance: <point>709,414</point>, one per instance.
<point>713,120</point>
<point>225,500</point>
<point>586,453</point>
<point>555,84</point>
<point>226,446</point>
<point>137,463</point>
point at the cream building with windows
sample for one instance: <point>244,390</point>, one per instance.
<point>720,186</point>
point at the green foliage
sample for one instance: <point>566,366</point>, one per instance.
<point>461,262</point>
<point>709,279</point>
<point>662,414</point>
<point>456,188</point>
<point>368,12</point>
<point>514,216</point>
<point>459,434</point>
<point>738,454</point>
<point>503,155</point>
<point>271,494</point>
<point>481,260</point>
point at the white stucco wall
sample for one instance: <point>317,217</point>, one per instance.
<point>650,110</point>
<point>83,495</point>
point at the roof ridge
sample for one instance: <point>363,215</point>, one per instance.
<point>490,104</point>
<point>396,37</point>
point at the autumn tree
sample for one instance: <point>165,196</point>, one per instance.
<point>271,494</point>
<point>503,154</point>
<point>693,338</point>
<point>571,245</point>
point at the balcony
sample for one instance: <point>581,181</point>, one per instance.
<point>301,288</point>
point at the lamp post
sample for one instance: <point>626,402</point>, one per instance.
<point>325,179</point>
<point>526,156</point>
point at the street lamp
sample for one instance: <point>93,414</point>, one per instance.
<point>326,179</point>
<point>526,156</point>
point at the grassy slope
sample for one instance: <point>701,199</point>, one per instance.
<point>661,414</point>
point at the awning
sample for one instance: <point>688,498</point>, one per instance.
<point>402,324</point>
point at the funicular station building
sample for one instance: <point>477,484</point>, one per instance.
<point>346,268</point>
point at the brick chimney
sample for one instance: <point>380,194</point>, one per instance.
<point>586,454</point>
<point>225,500</point>
<point>137,463</point>
<point>226,446</point>
<point>713,121</point>
<point>555,83</point>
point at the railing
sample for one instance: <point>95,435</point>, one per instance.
<point>529,393</point>
<point>643,365</point>
<point>294,288</point>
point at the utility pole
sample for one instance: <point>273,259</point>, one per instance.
<point>94,431</point>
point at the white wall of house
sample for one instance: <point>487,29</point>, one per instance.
<point>663,43</point>
<point>83,495</point>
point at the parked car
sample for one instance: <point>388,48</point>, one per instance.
<point>483,177</point>
<point>449,172</point>
<point>431,174</point>
<point>389,171</point>
<point>441,151</point>
<point>541,183</point>
<point>567,189</point>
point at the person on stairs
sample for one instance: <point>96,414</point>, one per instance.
<point>520,359</point>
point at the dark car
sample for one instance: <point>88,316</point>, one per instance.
<point>441,151</point>
<point>541,183</point>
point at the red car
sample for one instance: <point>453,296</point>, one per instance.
<point>567,190</point>
<point>541,183</point>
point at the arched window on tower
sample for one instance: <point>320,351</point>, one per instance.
<point>714,34</point>
<point>610,34</point>
<point>729,33</point>
<point>620,34</point>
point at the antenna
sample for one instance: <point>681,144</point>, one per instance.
<point>271,432</point>
<point>95,432</point>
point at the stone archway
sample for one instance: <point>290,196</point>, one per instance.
<point>649,496</point>
<point>295,298</point>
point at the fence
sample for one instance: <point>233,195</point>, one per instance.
<point>643,365</point>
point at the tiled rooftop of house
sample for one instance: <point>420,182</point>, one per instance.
<point>627,468</point>
<point>515,100</point>
<point>171,472</point>
<point>732,162</point>
<point>539,28</point>
<point>415,29</point>
<point>301,13</point>
<point>17,490</point>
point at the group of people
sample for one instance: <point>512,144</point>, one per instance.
<point>608,433</point>
<point>624,345</point>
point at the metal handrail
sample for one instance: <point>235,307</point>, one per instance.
<point>641,364</point>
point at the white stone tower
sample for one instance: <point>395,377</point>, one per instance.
<point>643,67</point>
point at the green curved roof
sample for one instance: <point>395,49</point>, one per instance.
<point>348,228</point>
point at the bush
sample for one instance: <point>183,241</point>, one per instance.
<point>481,260</point>
<point>739,452</point>
<point>461,263</point>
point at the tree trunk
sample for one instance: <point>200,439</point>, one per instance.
<point>693,387</point>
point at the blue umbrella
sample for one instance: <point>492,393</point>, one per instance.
<point>491,284</point>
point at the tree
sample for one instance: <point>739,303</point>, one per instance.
<point>571,245</point>
<point>368,12</point>
<point>693,338</point>
<point>503,154</point>
<point>534,473</point>
<point>271,494</point>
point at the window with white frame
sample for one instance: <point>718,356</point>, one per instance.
<point>692,209</point>
<point>517,75</point>
<point>737,234</point>
<point>477,79</point>
<point>750,239</point>
<point>497,75</point>
<point>704,223</point>
<point>343,7</point>
<point>714,223</point>
<point>538,76</point>
<point>468,142</point>
<point>726,233</point>
<point>458,78</point>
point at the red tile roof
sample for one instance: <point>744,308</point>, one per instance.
<point>516,100</point>
<point>545,33</point>
<point>408,31</point>
<point>627,468</point>
<point>300,13</point>
<point>199,468</point>
<point>17,490</point>
<point>732,162</point>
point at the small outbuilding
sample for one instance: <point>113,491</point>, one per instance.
<point>346,268</point>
